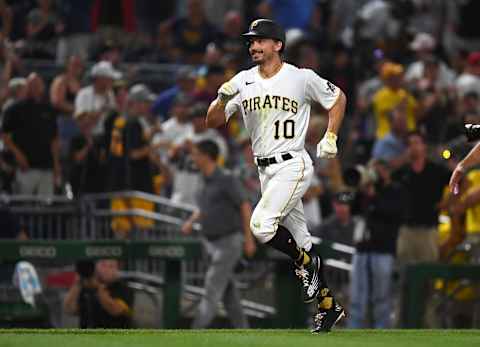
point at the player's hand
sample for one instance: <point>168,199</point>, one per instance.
<point>327,147</point>
<point>456,177</point>
<point>227,92</point>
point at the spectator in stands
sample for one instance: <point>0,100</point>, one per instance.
<point>187,181</point>
<point>340,226</point>
<point>6,17</point>
<point>185,84</point>
<point>175,127</point>
<point>100,297</point>
<point>130,166</point>
<point>389,97</point>
<point>214,78</point>
<point>424,46</point>
<point>63,92</point>
<point>77,34</point>
<point>393,147</point>
<point>462,32</point>
<point>193,32</point>
<point>30,133</point>
<point>424,182</point>
<point>10,66</point>
<point>215,9</point>
<point>43,26</point>
<point>109,50</point>
<point>371,284</point>
<point>65,87</point>
<point>230,39</point>
<point>96,100</point>
<point>469,80</point>
<point>436,101</point>
<point>289,14</point>
<point>224,196</point>
<point>17,90</point>
<point>87,159</point>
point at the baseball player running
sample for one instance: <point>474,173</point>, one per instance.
<point>274,99</point>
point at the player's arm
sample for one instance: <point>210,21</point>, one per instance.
<point>216,114</point>
<point>472,159</point>
<point>327,147</point>
<point>336,113</point>
<point>332,99</point>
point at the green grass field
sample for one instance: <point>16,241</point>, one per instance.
<point>233,338</point>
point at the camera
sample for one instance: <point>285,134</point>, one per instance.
<point>359,176</point>
<point>472,131</point>
<point>85,269</point>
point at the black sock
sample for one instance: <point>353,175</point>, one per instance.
<point>284,242</point>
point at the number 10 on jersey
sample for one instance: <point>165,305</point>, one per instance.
<point>288,129</point>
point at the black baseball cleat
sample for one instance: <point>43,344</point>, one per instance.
<point>325,320</point>
<point>310,277</point>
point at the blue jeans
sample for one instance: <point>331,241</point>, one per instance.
<point>371,285</point>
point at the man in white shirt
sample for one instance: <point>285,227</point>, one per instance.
<point>274,99</point>
<point>96,100</point>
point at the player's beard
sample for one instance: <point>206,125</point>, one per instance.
<point>260,57</point>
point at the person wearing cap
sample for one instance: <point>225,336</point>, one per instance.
<point>392,95</point>
<point>187,181</point>
<point>185,84</point>
<point>17,90</point>
<point>423,45</point>
<point>130,160</point>
<point>469,80</point>
<point>174,129</point>
<point>340,225</point>
<point>371,278</point>
<point>96,100</point>
<point>275,99</point>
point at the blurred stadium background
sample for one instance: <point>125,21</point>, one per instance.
<point>65,199</point>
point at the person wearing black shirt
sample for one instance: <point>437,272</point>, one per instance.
<point>30,133</point>
<point>424,182</point>
<point>87,158</point>
<point>373,263</point>
<point>130,160</point>
<point>100,298</point>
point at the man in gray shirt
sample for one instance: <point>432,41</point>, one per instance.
<point>224,214</point>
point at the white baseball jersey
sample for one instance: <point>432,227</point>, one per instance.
<point>276,111</point>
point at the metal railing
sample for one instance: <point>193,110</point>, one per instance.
<point>92,218</point>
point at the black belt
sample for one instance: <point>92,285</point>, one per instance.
<point>271,160</point>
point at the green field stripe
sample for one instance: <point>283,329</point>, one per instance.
<point>238,338</point>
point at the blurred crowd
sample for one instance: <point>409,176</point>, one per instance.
<point>410,70</point>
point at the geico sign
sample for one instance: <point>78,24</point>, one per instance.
<point>103,251</point>
<point>166,251</point>
<point>38,251</point>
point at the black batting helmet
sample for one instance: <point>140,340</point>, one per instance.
<point>266,28</point>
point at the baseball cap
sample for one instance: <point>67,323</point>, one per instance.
<point>17,82</point>
<point>105,69</point>
<point>140,93</point>
<point>423,41</point>
<point>474,58</point>
<point>265,28</point>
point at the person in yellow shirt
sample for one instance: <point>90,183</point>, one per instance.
<point>391,96</point>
